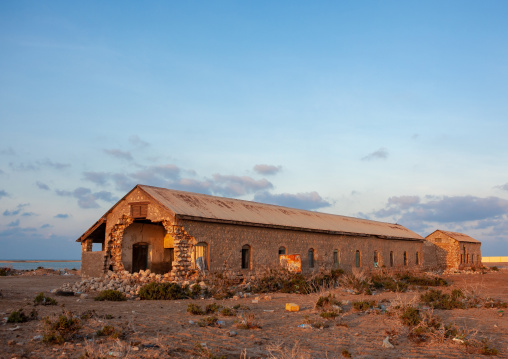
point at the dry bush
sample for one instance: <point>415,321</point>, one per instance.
<point>357,280</point>
<point>247,321</point>
<point>281,351</point>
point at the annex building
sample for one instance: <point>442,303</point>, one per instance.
<point>182,233</point>
<point>453,250</point>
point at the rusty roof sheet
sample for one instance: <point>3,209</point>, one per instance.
<point>206,207</point>
<point>461,237</point>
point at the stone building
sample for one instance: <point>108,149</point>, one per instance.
<point>452,250</point>
<point>181,233</point>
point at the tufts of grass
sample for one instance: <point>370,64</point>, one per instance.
<point>439,300</point>
<point>363,305</point>
<point>345,353</point>
<point>212,308</point>
<point>163,291</point>
<point>247,321</point>
<point>228,312</point>
<point>41,299</point>
<point>60,330</point>
<point>18,316</point>
<point>111,295</point>
<point>195,309</point>
<point>411,317</point>
<point>109,331</point>
<point>326,302</point>
<point>208,321</point>
<point>329,315</point>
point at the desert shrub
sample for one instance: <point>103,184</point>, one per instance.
<point>296,284</point>
<point>18,316</point>
<point>326,302</point>
<point>326,279</point>
<point>422,281</point>
<point>247,321</point>
<point>212,308</point>
<point>163,291</point>
<point>41,299</point>
<point>60,330</point>
<point>345,353</point>
<point>208,321</point>
<point>358,281</point>
<point>195,290</point>
<point>329,314</point>
<point>494,268</point>
<point>363,305</point>
<point>111,295</point>
<point>388,283</point>
<point>491,303</point>
<point>109,331</point>
<point>3,272</point>
<point>228,312</point>
<point>438,300</point>
<point>195,309</point>
<point>411,317</point>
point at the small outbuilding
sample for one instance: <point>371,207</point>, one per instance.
<point>452,250</point>
<point>181,234</point>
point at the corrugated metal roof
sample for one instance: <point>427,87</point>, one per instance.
<point>461,237</point>
<point>205,207</point>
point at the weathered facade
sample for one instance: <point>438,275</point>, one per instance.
<point>452,250</point>
<point>182,233</point>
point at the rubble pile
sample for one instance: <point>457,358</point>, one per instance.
<point>125,282</point>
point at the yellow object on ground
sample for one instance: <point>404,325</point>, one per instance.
<point>292,307</point>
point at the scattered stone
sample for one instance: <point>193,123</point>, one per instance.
<point>11,342</point>
<point>37,337</point>
<point>457,340</point>
<point>15,328</point>
<point>387,344</point>
<point>232,333</point>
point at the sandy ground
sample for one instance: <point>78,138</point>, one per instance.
<point>163,329</point>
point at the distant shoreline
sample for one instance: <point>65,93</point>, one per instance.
<point>36,261</point>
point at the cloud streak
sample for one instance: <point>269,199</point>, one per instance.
<point>123,155</point>
<point>42,186</point>
<point>381,154</point>
<point>86,198</point>
<point>3,194</point>
<point>267,169</point>
<point>308,200</point>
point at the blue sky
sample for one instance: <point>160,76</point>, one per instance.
<point>388,110</point>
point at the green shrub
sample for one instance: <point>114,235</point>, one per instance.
<point>411,317</point>
<point>212,308</point>
<point>327,301</point>
<point>491,303</point>
<point>60,330</point>
<point>17,317</point>
<point>3,272</point>
<point>109,331</point>
<point>41,299</point>
<point>438,300</point>
<point>364,305</point>
<point>208,321</point>
<point>329,315</point>
<point>422,281</point>
<point>111,295</point>
<point>228,312</point>
<point>163,291</point>
<point>494,268</point>
<point>195,309</point>
<point>195,290</point>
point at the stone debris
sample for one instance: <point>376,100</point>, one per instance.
<point>125,282</point>
<point>387,344</point>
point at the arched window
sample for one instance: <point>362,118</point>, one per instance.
<point>246,256</point>
<point>376,259</point>
<point>358,259</point>
<point>201,256</point>
<point>336,258</point>
<point>282,250</point>
<point>311,258</point>
<point>405,258</point>
<point>417,258</point>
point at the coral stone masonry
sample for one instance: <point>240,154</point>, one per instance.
<point>184,235</point>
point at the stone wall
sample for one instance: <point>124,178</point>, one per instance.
<point>454,254</point>
<point>93,264</point>
<point>225,242</point>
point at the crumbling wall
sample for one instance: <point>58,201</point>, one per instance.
<point>93,264</point>
<point>151,234</point>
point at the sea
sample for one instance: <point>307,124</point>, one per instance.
<point>28,265</point>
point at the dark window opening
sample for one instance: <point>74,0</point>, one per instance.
<point>405,258</point>
<point>282,250</point>
<point>311,258</point>
<point>391,259</point>
<point>417,258</point>
<point>336,258</point>
<point>246,257</point>
<point>139,257</point>
<point>358,259</point>
<point>169,257</point>
<point>376,259</point>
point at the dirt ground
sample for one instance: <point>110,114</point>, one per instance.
<point>164,329</point>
